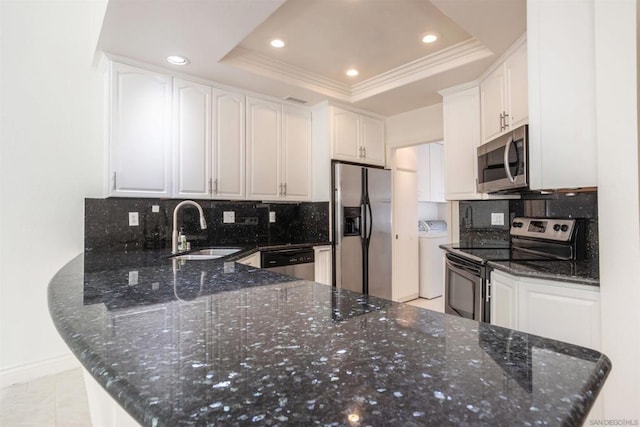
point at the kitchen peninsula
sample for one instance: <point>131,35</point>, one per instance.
<point>217,342</point>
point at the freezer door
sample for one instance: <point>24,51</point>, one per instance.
<point>380,243</point>
<point>347,193</point>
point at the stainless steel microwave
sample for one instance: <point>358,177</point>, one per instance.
<point>502,163</point>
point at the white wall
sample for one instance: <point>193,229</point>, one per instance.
<point>618,201</point>
<point>414,127</point>
<point>51,158</point>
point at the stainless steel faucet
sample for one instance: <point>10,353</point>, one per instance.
<point>174,235</point>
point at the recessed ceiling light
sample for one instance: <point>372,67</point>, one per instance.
<point>429,38</point>
<point>352,72</point>
<point>177,60</point>
<point>277,43</point>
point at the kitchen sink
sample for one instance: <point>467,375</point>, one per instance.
<point>210,253</point>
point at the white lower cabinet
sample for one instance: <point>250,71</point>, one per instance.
<point>323,265</point>
<point>563,311</point>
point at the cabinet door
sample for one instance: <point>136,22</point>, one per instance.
<point>560,312</point>
<point>192,139</point>
<point>423,173</point>
<point>436,172</point>
<point>140,133</point>
<point>229,145</point>
<point>345,135</point>
<point>492,97</point>
<point>323,269</point>
<point>517,87</point>
<point>504,301</point>
<point>373,140</point>
<point>264,125</point>
<point>296,153</point>
<point>461,112</point>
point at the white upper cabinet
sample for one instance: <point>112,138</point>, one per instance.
<point>562,109</point>
<point>264,134</point>
<point>208,141</point>
<point>228,145</point>
<point>356,137</point>
<point>278,151</point>
<point>461,114</point>
<point>373,141</point>
<point>191,139</point>
<point>504,94</point>
<point>296,153</point>
<point>140,132</point>
<point>431,173</point>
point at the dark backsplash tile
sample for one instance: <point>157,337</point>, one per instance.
<point>475,216</point>
<point>107,223</point>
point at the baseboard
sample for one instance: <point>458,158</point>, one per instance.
<point>31,371</point>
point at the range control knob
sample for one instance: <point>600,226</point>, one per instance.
<point>564,227</point>
<point>556,227</point>
<point>517,224</point>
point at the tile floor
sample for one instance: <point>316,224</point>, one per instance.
<point>54,401</point>
<point>61,400</point>
<point>435,304</point>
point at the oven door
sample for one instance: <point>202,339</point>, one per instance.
<point>502,163</point>
<point>465,285</point>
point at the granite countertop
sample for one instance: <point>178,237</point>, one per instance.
<point>216,342</point>
<point>580,272</point>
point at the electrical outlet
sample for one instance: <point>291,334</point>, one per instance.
<point>272,217</point>
<point>133,277</point>
<point>497,218</point>
<point>155,208</point>
<point>133,219</point>
<point>155,286</point>
<point>228,217</point>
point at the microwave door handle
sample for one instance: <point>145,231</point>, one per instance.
<point>507,148</point>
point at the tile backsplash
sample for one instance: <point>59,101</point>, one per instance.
<point>475,216</point>
<point>107,223</point>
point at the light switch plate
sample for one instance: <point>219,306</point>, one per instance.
<point>133,277</point>
<point>228,217</point>
<point>272,217</point>
<point>133,219</point>
<point>497,218</point>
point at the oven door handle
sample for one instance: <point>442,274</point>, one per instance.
<point>507,148</point>
<point>468,268</point>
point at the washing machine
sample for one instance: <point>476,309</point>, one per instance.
<point>431,234</point>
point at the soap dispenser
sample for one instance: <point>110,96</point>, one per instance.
<point>182,240</point>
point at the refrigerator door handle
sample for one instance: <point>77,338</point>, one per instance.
<point>363,221</point>
<point>370,221</point>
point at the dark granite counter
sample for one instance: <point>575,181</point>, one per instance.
<point>216,342</point>
<point>581,272</point>
<point>494,255</point>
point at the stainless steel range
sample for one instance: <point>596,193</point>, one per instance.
<point>532,239</point>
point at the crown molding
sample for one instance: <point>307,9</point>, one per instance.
<point>287,73</point>
<point>447,59</point>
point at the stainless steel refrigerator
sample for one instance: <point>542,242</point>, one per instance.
<point>362,229</point>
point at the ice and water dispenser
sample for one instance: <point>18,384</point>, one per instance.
<point>352,221</point>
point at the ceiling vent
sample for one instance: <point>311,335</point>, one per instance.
<point>296,100</point>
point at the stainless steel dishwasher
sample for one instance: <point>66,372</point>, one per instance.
<point>298,263</point>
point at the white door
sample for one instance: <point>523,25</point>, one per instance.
<point>229,145</point>
<point>373,140</point>
<point>140,133</point>
<point>405,279</point>
<point>263,149</point>
<point>191,140</point>
<point>296,153</point>
<point>346,135</point>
